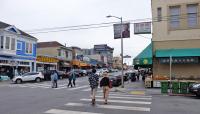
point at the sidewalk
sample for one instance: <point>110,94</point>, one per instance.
<point>137,88</point>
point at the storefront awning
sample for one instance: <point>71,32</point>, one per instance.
<point>189,52</point>
<point>145,57</point>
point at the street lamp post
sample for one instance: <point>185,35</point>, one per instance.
<point>122,65</point>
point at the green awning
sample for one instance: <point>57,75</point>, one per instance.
<point>145,57</point>
<point>189,52</point>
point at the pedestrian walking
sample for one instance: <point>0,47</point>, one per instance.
<point>94,82</point>
<point>54,78</point>
<point>70,79</point>
<point>74,78</point>
<point>106,84</point>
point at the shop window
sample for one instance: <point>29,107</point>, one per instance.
<point>174,16</point>
<point>192,15</point>
<point>2,42</point>
<point>12,44</point>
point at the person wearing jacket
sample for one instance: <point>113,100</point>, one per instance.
<point>74,78</point>
<point>54,78</point>
<point>70,79</point>
<point>94,82</point>
<point>105,83</point>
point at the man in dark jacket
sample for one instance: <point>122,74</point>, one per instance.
<point>94,82</point>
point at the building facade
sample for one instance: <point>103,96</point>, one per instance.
<point>176,37</point>
<point>57,50</point>
<point>17,50</point>
<point>117,63</point>
<point>106,52</point>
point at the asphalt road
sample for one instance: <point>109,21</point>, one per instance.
<point>40,98</point>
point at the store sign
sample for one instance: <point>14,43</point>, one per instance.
<point>179,60</point>
<point>142,28</point>
<point>122,30</point>
<point>46,59</point>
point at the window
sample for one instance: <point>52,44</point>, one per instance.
<point>2,42</point>
<point>30,47</point>
<point>59,52</point>
<point>192,15</point>
<point>19,45</point>
<point>7,42</point>
<point>67,54</point>
<point>27,47</point>
<point>174,16</point>
<point>159,14</point>
<point>12,44</point>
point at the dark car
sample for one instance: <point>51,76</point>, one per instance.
<point>47,74</point>
<point>115,80</point>
<point>131,76</point>
<point>195,89</point>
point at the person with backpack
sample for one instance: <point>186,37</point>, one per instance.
<point>106,84</point>
<point>94,82</point>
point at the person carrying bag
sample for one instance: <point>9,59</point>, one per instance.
<point>106,84</point>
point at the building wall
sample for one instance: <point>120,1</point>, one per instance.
<point>165,37</point>
<point>53,51</point>
<point>180,71</point>
<point>162,31</point>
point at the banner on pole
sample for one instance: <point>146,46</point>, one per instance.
<point>121,31</point>
<point>142,28</point>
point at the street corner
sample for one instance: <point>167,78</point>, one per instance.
<point>137,92</point>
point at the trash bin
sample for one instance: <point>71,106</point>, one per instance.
<point>175,87</point>
<point>183,87</point>
<point>164,87</point>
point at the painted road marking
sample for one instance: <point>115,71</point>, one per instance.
<point>137,92</point>
<point>119,101</point>
<point>112,107</point>
<point>79,87</point>
<point>131,98</point>
<point>58,111</point>
<point>126,95</point>
<point>88,89</point>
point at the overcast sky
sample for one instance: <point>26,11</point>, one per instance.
<point>37,14</point>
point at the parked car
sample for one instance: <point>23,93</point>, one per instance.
<point>104,70</point>
<point>47,74</point>
<point>131,76</point>
<point>115,80</point>
<point>195,89</point>
<point>31,76</point>
<point>99,72</point>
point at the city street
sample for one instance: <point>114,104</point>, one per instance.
<point>40,98</point>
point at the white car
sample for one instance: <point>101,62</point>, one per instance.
<point>99,72</point>
<point>31,76</point>
<point>104,70</point>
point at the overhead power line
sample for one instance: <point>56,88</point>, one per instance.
<point>101,25</point>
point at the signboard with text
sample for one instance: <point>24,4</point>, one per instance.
<point>142,28</point>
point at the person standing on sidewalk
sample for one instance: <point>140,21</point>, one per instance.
<point>105,83</point>
<point>94,82</point>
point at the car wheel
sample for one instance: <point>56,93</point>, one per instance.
<point>18,81</point>
<point>38,80</point>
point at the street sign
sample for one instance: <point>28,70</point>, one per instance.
<point>142,28</point>
<point>122,31</point>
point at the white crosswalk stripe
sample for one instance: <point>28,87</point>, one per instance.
<point>119,101</point>
<point>58,111</point>
<point>116,101</point>
<point>81,87</point>
<point>130,98</point>
<point>112,107</point>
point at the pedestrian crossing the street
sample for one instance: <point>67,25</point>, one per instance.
<point>117,101</point>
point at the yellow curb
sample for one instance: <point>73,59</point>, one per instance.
<point>137,92</point>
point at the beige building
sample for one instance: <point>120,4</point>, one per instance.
<point>57,50</point>
<point>176,33</point>
<point>117,62</point>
